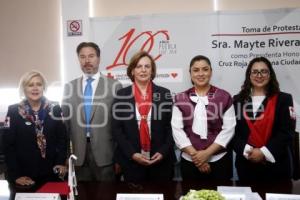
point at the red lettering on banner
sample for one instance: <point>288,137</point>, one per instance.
<point>120,59</point>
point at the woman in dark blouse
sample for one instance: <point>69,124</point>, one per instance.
<point>265,125</point>
<point>141,124</point>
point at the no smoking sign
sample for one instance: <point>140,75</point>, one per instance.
<point>74,27</point>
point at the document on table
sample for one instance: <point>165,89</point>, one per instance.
<point>39,196</point>
<point>4,191</point>
<point>124,196</point>
<point>273,196</point>
<point>238,193</point>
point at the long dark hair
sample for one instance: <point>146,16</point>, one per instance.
<point>272,86</point>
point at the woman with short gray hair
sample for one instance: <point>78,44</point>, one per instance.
<point>35,143</point>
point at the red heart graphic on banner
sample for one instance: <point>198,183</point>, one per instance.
<point>174,75</point>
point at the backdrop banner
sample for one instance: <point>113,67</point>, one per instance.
<point>229,39</point>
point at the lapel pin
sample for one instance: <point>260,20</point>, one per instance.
<point>28,123</point>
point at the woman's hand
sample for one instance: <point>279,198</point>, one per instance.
<point>255,155</point>
<point>61,170</point>
<point>205,168</point>
<point>142,160</point>
<point>157,157</point>
<point>117,168</point>
<point>24,180</point>
<point>200,157</point>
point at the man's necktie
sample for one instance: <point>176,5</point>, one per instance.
<point>88,94</point>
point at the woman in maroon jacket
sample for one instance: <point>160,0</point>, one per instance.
<point>203,124</point>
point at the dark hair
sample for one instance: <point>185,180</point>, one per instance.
<point>134,61</point>
<point>199,58</point>
<point>88,44</point>
<point>272,86</point>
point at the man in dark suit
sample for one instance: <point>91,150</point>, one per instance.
<point>86,107</point>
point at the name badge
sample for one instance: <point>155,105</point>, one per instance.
<point>140,196</point>
<point>40,196</point>
<point>228,196</point>
<point>28,123</point>
<point>272,196</point>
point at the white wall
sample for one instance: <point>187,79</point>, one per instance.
<point>29,39</point>
<point>105,8</point>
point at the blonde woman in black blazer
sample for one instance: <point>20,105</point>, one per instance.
<point>35,142</point>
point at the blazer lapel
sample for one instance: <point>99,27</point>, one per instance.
<point>155,104</point>
<point>261,108</point>
<point>249,109</point>
<point>131,101</point>
<point>80,101</point>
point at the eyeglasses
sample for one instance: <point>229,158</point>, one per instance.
<point>263,72</point>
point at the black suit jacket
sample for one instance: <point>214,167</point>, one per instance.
<point>126,131</point>
<point>278,144</point>
<point>22,154</point>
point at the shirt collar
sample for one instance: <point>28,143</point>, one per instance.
<point>94,76</point>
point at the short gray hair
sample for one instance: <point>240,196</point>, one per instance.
<point>26,78</point>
